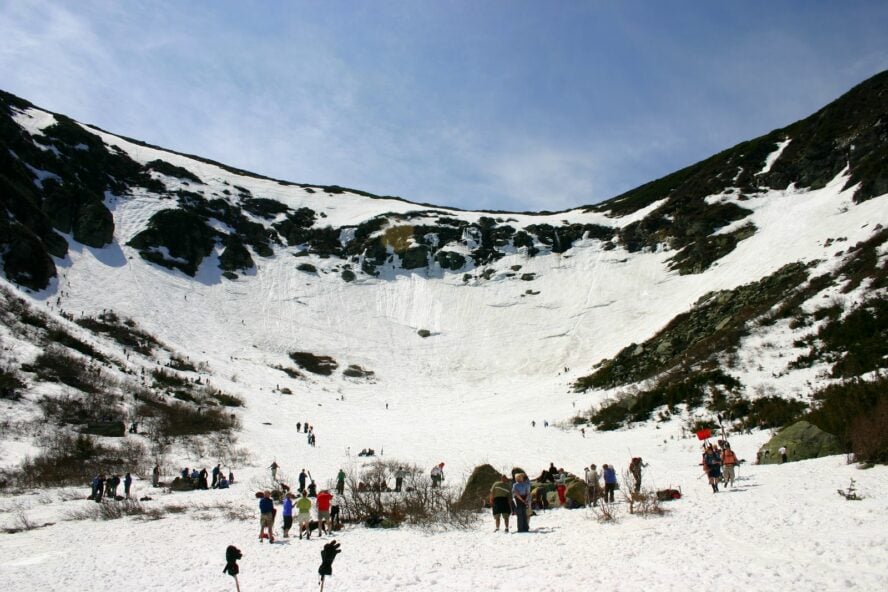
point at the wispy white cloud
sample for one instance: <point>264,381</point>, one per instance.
<point>448,106</point>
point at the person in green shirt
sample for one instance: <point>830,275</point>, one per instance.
<point>303,505</point>
<point>500,500</point>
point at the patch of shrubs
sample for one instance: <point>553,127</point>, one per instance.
<point>671,391</point>
<point>61,337</point>
<point>123,331</point>
<point>715,324</point>
<point>165,379</point>
<point>854,411</point>
<point>69,459</point>
<point>54,364</point>
<point>171,170</point>
<point>323,365</point>
<point>856,343</point>
<point>369,500</point>
<point>355,371</point>
<point>170,419</point>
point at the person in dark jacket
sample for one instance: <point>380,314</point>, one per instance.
<point>610,482</point>
<point>202,479</point>
<point>217,471</point>
<point>127,484</point>
<point>635,466</point>
<point>266,516</point>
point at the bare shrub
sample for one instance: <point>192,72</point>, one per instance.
<point>73,459</point>
<point>368,499</point>
<point>869,434</point>
<point>109,510</point>
<point>606,512</point>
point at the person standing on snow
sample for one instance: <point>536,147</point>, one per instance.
<point>437,475</point>
<point>127,484</point>
<point>635,470</point>
<point>302,478</point>
<point>561,486</point>
<point>500,501</point>
<point>323,502</point>
<point>399,478</point>
<point>729,460</point>
<point>304,517</point>
<point>610,482</point>
<point>274,470</point>
<point>712,466</point>
<point>266,516</point>
<point>288,514</point>
<point>340,482</point>
<point>783,456</point>
<point>592,485</point>
<point>521,496</point>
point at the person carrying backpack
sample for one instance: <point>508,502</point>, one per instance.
<point>712,466</point>
<point>635,470</point>
<point>729,461</point>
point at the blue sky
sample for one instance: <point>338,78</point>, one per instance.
<point>512,105</point>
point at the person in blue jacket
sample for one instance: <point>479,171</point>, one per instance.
<point>610,482</point>
<point>288,514</point>
<point>521,495</point>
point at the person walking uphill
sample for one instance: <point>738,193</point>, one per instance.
<point>521,495</point>
<point>500,501</point>
<point>729,460</point>
<point>712,466</point>
<point>266,516</point>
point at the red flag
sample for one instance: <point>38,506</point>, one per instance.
<point>704,433</point>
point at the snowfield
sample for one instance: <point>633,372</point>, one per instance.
<point>501,353</point>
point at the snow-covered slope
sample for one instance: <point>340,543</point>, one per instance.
<point>463,359</point>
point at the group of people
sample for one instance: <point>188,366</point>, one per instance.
<point>106,487</point>
<point>521,497</point>
<point>507,498</point>
<point>719,462</point>
<point>594,479</point>
<point>327,514</point>
<point>199,478</point>
<point>309,432</point>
